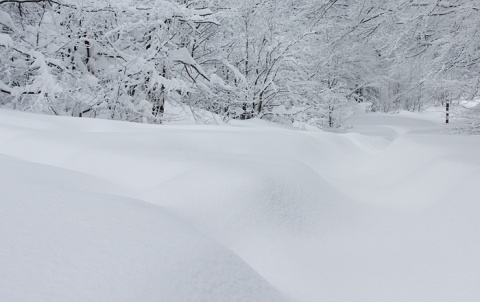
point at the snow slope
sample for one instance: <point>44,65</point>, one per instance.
<point>96,210</point>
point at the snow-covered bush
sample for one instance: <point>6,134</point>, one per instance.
<point>465,117</point>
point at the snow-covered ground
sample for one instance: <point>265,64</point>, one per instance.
<point>95,210</point>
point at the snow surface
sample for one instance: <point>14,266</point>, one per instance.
<point>6,40</point>
<point>96,210</point>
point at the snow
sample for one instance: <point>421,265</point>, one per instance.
<point>470,104</point>
<point>96,210</point>
<point>182,55</point>
<point>7,21</point>
<point>6,40</point>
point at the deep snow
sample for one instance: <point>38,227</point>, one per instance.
<point>95,210</point>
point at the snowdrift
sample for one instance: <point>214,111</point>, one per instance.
<point>98,210</point>
<point>62,241</point>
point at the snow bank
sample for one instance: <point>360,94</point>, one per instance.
<point>104,210</point>
<point>63,242</point>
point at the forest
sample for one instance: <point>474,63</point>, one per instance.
<point>239,150</point>
<point>287,61</point>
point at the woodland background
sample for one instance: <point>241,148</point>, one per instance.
<point>290,61</point>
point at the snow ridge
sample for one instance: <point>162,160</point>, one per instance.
<point>96,210</point>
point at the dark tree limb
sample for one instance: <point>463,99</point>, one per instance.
<point>28,1</point>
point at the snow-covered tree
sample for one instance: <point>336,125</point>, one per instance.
<point>282,60</point>
<point>95,58</point>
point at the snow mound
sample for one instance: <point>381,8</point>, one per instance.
<point>62,242</point>
<point>238,199</point>
<point>109,211</point>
